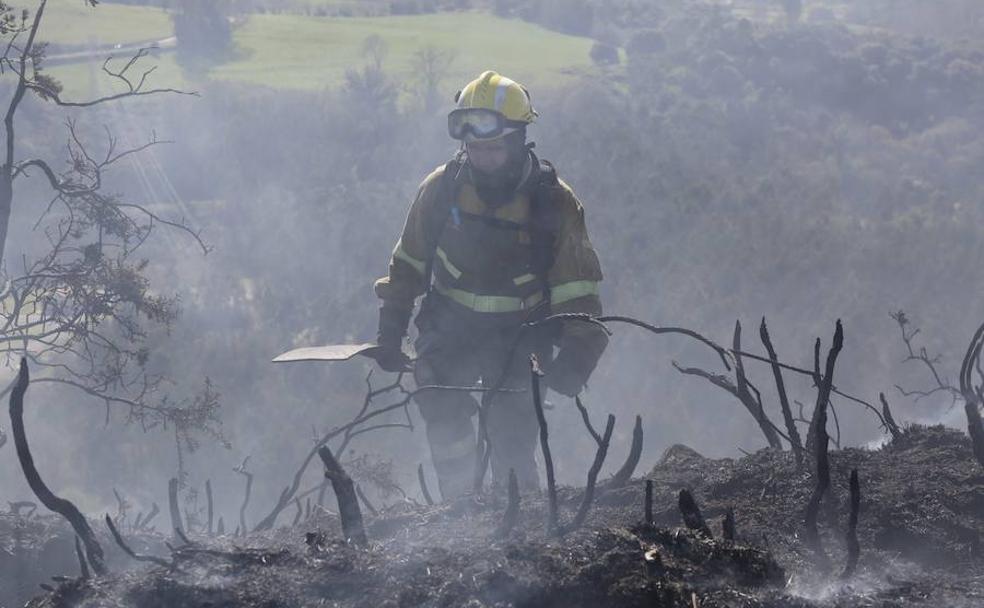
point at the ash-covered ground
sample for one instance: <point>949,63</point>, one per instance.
<point>921,518</point>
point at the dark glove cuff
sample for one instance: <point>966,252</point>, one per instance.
<point>393,321</point>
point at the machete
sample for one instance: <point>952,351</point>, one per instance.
<point>330,352</point>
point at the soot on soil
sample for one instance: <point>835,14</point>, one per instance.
<point>921,518</point>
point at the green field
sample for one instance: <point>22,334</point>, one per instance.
<point>72,22</point>
<point>311,52</point>
<point>301,52</point>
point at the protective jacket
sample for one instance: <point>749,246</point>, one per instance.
<point>498,265</point>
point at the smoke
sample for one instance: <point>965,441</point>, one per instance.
<point>781,196</point>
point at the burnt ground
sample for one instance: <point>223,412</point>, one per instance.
<point>921,519</point>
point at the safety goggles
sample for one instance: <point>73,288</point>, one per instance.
<point>469,124</point>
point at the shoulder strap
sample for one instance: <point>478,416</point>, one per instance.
<point>544,218</point>
<point>446,193</point>
<point>545,221</point>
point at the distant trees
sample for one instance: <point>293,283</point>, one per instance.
<point>604,54</point>
<point>430,67</point>
<point>203,30</point>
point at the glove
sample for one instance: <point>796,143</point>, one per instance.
<point>393,321</point>
<point>391,359</point>
<point>567,374</point>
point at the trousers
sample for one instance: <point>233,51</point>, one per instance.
<point>455,348</point>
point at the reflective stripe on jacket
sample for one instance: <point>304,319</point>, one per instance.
<point>483,261</point>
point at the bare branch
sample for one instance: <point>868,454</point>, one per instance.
<point>63,507</point>
<point>587,421</point>
<point>552,515</point>
<point>348,502</point>
<point>133,90</point>
<point>589,488</point>
<point>126,549</point>
<point>889,420</point>
<point>623,475</point>
<point>794,439</point>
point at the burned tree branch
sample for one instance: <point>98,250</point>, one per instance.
<point>921,356</point>
<point>648,502</point>
<point>973,395</point>
<point>423,485</point>
<point>723,382</point>
<point>511,515</point>
<point>890,424</point>
<point>587,420</point>
<point>552,516</point>
<point>63,507</point>
<point>347,431</point>
<point>172,502</point>
<point>208,497</point>
<point>811,535</point>
<point>241,469</point>
<point>154,510</point>
<point>853,546</point>
<point>589,489</point>
<point>83,566</point>
<point>744,395</point>
<point>794,439</point>
<point>624,474</point>
<point>126,549</point>
<point>692,517</point>
<point>348,501</point>
<point>585,318</point>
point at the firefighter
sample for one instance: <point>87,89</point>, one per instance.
<point>493,239</point>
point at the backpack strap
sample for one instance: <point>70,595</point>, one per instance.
<point>447,192</point>
<point>545,222</point>
<point>544,218</point>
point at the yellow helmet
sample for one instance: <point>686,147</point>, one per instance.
<point>489,107</point>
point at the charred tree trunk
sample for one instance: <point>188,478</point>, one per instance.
<point>126,549</point>
<point>787,414</point>
<point>744,394</point>
<point>79,553</point>
<point>552,516</point>
<point>812,536</point>
<point>624,474</point>
<point>154,511</point>
<point>63,507</point>
<point>648,504</point>
<point>172,501</point>
<point>811,432</point>
<point>208,497</point>
<point>692,517</point>
<point>589,489</point>
<point>348,500</point>
<point>890,424</point>
<point>246,493</point>
<point>974,395</point>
